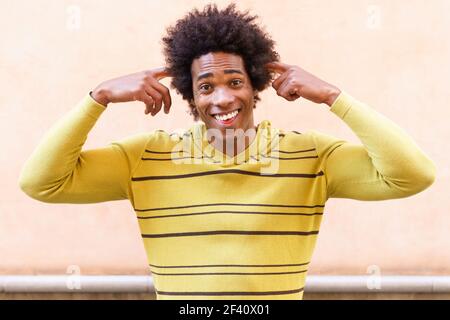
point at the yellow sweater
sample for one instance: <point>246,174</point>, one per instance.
<point>217,227</point>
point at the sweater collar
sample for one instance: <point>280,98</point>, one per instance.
<point>260,146</point>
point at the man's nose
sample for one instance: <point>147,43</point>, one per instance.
<point>222,97</point>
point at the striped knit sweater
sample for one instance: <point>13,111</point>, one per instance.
<point>221,227</point>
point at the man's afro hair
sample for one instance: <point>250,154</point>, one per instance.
<point>212,30</point>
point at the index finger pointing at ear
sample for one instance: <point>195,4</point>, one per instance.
<point>277,66</point>
<point>160,73</point>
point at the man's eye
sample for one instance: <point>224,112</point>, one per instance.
<point>204,87</point>
<point>236,82</point>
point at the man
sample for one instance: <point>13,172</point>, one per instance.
<point>216,224</point>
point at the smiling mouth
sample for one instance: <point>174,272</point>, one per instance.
<point>227,119</point>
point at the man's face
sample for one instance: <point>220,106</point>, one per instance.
<point>221,86</point>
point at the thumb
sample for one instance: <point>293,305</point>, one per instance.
<point>160,73</point>
<point>277,66</point>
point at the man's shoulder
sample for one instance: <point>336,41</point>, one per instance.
<point>294,140</point>
<point>309,139</point>
<point>156,139</point>
<point>158,135</point>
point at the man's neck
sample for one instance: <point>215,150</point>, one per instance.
<point>232,145</point>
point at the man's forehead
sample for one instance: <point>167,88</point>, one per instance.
<point>217,62</point>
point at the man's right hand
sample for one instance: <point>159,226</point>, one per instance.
<point>141,86</point>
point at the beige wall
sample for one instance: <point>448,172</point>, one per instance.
<point>391,54</point>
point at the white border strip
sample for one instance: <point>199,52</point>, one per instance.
<point>77,284</point>
<point>375,284</point>
<point>144,284</point>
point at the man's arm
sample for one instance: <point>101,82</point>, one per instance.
<point>388,165</point>
<point>58,171</point>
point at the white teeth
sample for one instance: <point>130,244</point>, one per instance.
<point>227,116</point>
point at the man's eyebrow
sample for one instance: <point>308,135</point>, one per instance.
<point>226,71</point>
<point>204,75</point>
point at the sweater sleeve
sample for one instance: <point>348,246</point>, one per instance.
<point>387,165</point>
<point>58,171</point>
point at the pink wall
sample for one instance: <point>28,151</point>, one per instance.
<point>391,55</point>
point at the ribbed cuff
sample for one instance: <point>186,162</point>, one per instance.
<point>92,107</point>
<point>342,104</point>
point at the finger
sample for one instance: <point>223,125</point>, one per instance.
<point>164,91</point>
<point>145,98</point>
<point>293,96</point>
<point>277,66</point>
<point>288,92</point>
<point>278,81</point>
<point>156,96</point>
<point>160,73</point>
<point>149,106</point>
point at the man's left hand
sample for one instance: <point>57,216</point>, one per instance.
<point>295,82</point>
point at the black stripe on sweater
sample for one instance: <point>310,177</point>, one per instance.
<point>229,293</point>
<point>230,171</point>
<point>232,265</point>
<point>233,204</point>
<point>262,156</point>
<point>176,151</point>
<point>230,232</point>
<point>233,212</point>
<point>228,273</point>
